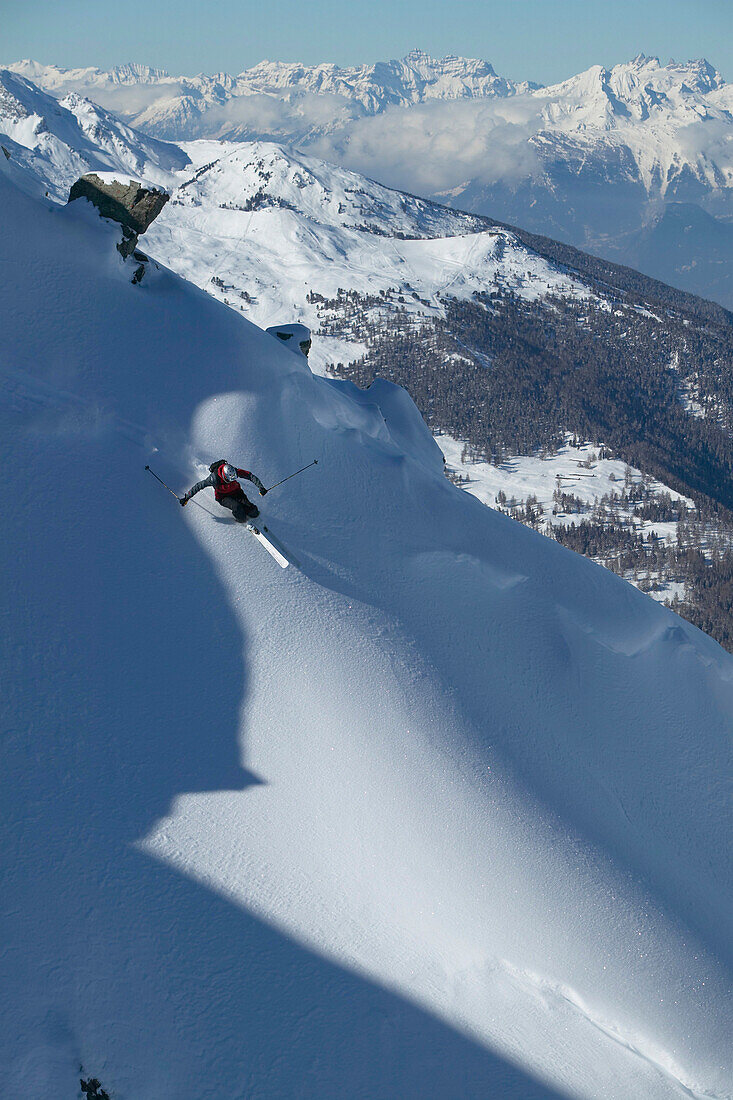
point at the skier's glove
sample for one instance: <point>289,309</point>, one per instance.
<point>182,501</point>
<point>263,492</point>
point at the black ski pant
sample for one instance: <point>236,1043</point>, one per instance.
<point>241,508</point>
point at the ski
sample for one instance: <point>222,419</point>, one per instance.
<point>282,556</point>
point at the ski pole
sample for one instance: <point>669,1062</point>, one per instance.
<point>160,479</point>
<point>313,463</point>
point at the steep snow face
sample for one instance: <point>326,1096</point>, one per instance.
<point>58,142</point>
<point>480,849</point>
<point>274,233</point>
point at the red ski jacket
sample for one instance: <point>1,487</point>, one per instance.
<point>221,487</point>
<point>224,488</point>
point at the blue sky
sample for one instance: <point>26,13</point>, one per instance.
<point>542,40</point>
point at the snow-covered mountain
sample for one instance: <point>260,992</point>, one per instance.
<point>181,108</point>
<point>438,814</point>
<point>59,141</point>
<point>282,236</point>
<point>613,149</point>
<point>592,160</point>
<point>264,227</point>
<point>665,129</point>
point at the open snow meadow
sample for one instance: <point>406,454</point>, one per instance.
<point>439,813</point>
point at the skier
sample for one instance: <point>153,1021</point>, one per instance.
<point>227,490</point>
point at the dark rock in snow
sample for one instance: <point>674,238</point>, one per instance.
<point>93,1090</point>
<point>135,207</point>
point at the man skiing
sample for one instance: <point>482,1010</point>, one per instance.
<point>227,490</point>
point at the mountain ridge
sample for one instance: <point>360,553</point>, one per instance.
<point>375,85</point>
<point>591,159</point>
<point>59,141</point>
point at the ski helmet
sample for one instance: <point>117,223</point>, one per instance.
<point>228,472</point>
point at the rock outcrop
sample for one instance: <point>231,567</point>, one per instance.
<point>135,207</point>
<point>132,205</point>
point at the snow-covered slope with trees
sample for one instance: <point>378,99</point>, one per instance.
<point>440,814</point>
<point>263,227</point>
<point>490,329</point>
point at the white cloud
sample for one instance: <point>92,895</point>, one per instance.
<point>711,138</point>
<point>288,118</point>
<point>437,147</point>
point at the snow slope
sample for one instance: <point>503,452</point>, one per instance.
<point>441,814</point>
<point>273,224</point>
<point>268,230</point>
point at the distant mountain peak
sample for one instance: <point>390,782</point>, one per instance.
<point>705,76</point>
<point>132,73</point>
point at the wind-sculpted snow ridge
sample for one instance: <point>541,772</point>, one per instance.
<point>441,814</point>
